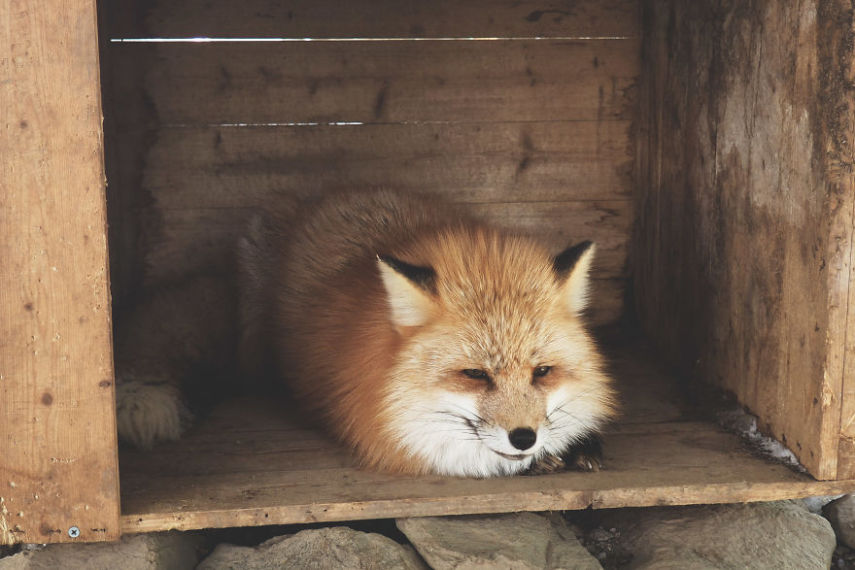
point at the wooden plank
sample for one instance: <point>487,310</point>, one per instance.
<point>842,246</point>
<point>192,239</point>
<point>287,497</point>
<point>377,19</point>
<point>240,167</point>
<point>261,83</point>
<point>250,470</point>
<point>550,179</point>
<point>58,461</point>
<point>123,100</point>
<point>836,56</point>
<point>743,242</point>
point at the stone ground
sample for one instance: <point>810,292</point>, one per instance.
<point>799,535</point>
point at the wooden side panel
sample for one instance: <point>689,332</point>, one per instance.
<point>377,19</point>
<point>743,244</point>
<point>58,458</point>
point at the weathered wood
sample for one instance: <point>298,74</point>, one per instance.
<point>491,120</point>
<point>58,462</point>
<point>846,457</point>
<point>743,247</point>
<point>261,83</point>
<point>838,56</point>
<point>254,464</point>
<point>123,101</point>
<point>377,19</point>
<point>193,238</point>
<point>563,181</point>
<point>240,167</point>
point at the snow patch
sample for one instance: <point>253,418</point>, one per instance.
<point>745,424</point>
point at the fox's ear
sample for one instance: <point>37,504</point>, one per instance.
<point>572,266</point>
<point>408,290</point>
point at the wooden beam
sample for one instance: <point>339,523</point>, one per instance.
<point>477,163</point>
<point>58,458</point>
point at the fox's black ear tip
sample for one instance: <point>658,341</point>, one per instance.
<point>565,261</point>
<point>424,277</point>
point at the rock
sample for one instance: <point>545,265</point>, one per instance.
<point>782,535</point>
<point>515,541</point>
<point>605,546</point>
<point>337,547</point>
<point>157,551</point>
<point>841,515</point>
<point>816,505</point>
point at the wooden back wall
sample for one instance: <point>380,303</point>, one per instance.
<point>522,109</point>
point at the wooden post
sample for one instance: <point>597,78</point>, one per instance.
<point>58,454</point>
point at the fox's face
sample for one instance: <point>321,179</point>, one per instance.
<point>496,369</point>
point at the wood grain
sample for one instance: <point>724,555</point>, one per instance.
<point>261,83</point>
<point>377,19</point>
<point>743,246</point>
<point>560,181</point>
<point>541,115</point>
<point>839,57</point>
<point>240,167</point>
<point>193,239</point>
<point>256,463</point>
<point>58,461</point>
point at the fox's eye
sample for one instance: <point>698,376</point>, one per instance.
<point>541,371</point>
<point>476,374</point>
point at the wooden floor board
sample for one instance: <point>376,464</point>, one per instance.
<point>253,464</point>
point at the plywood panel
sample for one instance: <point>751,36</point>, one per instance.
<point>744,240</point>
<point>259,83</point>
<point>255,464</point>
<point>58,462</point>
<point>377,19</point>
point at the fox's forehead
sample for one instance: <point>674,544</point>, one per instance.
<point>500,291</point>
<point>505,336</point>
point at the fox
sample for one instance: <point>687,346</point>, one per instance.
<point>424,339</point>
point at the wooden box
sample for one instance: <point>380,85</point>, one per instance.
<point>706,146</point>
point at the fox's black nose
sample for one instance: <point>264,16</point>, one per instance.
<point>522,438</point>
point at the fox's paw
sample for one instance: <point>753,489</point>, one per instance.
<point>149,412</point>
<point>547,464</point>
<point>587,455</point>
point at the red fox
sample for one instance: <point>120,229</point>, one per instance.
<point>427,341</point>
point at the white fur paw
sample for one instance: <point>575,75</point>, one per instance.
<point>147,413</point>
